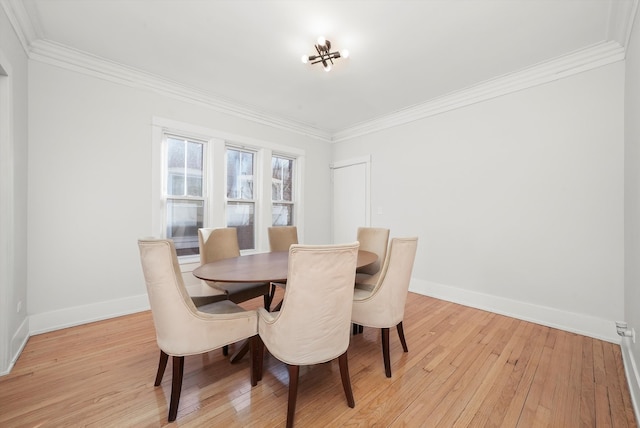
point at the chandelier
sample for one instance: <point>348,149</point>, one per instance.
<point>324,56</point>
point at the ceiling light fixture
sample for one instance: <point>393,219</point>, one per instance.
<point>324,55</point>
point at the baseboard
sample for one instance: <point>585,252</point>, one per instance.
<point>586,325</point>
<point>77,315</point>
<point>18,342</point>
<point>631,373</point>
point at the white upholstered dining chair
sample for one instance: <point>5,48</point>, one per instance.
<point>313,325</point>
<point>222,243</point>
<point>383,306</point>
<point>375,240</point>
<point>281,238</point>
<point>181,328</point>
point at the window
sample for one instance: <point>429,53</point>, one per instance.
<point>209,178</point>
<point>241,203</point>
<point>184,193</point>
<point>282,191</point>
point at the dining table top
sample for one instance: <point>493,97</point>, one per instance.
<point>259,267</point>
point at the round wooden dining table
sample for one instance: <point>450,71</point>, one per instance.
<point>261,267</point>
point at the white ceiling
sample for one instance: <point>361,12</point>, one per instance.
<point>247,53</point>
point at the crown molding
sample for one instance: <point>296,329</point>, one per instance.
<point>19,19</point>
<point>621,16</point>
<point>62,56</point>
<point>577,62</point>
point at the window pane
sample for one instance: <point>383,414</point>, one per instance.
<point>194,168</point>
<point>175,167</point>
<point>241,216</point>
<point>282,215</point>
<point>239,174</point>
<point>184,167</point>
<point>281,179</point>
<point>176,154</point>
<point>184,218</point>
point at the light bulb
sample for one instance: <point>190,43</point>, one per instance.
<point>344,53</point>
<point>304,59</point>
<point>327,67</point>
<point>321,41</point>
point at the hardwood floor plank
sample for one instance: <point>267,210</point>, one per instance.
<point>465,367</point>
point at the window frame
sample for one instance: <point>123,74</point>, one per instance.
<point>215,178</point>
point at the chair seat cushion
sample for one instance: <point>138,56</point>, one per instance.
<point>201,294</point>
<point>223,307</point>
<point>366,281</point>
<point>360,294</point>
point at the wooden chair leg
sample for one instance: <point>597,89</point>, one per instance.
<point>357,328</point>
<point>256,348</point>
<point>401,334</point>
<point>225,350</point>
<point>176,387</point>
<point>267,301</point>
<point>346,380</point>
<point>385,351</point>
<point>162,364</point>
<point>272,294</point>
<point>293,393</point>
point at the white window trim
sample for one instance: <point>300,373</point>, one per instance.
<point>217,141</point>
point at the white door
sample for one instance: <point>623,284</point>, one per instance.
<point>351,206</point>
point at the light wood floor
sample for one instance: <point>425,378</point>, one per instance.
<point>465,367</point>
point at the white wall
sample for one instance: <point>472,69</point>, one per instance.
<point>517,201</point>
<point>631,350</point>
<point>90,190</point>
<point>13,196</point>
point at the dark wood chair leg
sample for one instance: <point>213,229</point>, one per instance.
<point>225,350</point>
<point>176,387</point>
<point>278,307</point>
<point>293,393</point>
<point>385,351</point>
<point>256,350</point>
<point>267,301</point>
<point>272,294</point>
<point>401,334</point>
<point>346,380</point>
<point>360,328</point>
<point>354,328</point>
<point>162,364</point>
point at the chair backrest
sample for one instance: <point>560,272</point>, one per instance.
<point>375,240</point>
<point>313,325</point>
<point>218,243</point>
<point>171,306</point>
<point>282,237</point>
<point>387,300</point>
